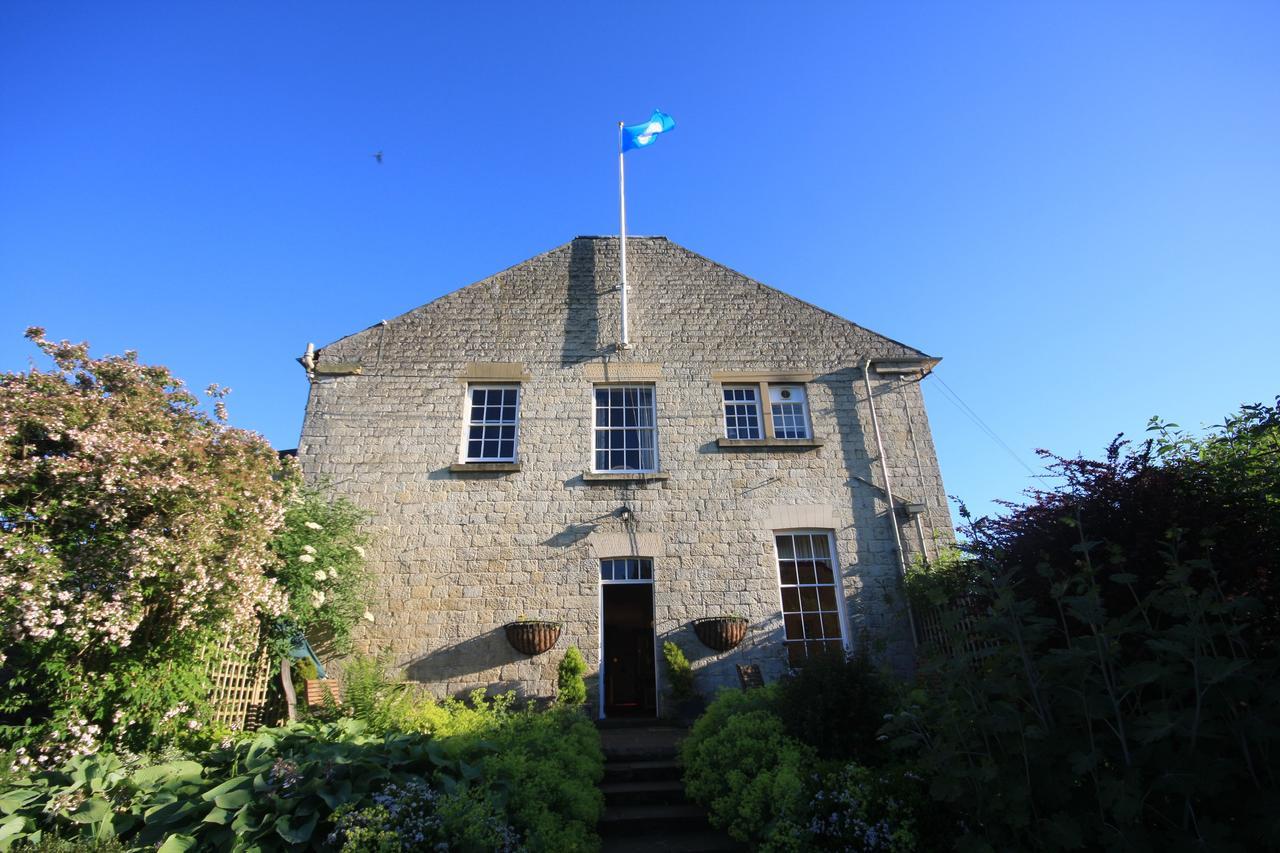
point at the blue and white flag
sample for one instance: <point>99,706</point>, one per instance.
<point>646,133</point>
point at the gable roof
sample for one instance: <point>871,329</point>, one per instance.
<point>657,250</point>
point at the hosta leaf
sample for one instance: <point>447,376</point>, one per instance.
<point>296,830</point>
<point>235,783</point>
<point>219,816</point>
<point>16,798</point>
<point>170,813</point>
<point>177,843</point>
<point>233,800</point>
<point>335,795</point>
<point>186,771</point>
<point>91,811</point>
<point>10,828</point>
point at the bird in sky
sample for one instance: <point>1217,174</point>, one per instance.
<point>378,156</point>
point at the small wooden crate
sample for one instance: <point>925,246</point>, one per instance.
<point>319,688</point>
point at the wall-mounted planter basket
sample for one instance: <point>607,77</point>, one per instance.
<point>721,632</point>
<point>532,638</point>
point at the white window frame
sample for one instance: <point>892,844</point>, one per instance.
<point>780,388</point>
<point>652,388</point>
<point>467,423</point>
<point>837,585</point>
<point>754,388</point>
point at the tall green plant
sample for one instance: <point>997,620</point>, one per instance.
<point>679,672</point>
<point>1146,727</point>
<point>572,687</point>
<point>321,568</point>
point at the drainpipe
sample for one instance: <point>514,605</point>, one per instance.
<point>915,449</point>
<point>888,490</point>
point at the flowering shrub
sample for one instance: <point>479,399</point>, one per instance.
<point>133,527</point>
<point>856,808</point>
<point>321,568</point>
<point>416,818</point>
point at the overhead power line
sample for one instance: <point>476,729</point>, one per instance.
<point>967,411</point>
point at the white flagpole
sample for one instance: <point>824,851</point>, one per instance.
<point>622,238</point>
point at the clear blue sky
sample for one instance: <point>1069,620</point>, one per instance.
<point>1077,205</point>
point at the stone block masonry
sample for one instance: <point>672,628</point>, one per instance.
<point>457,554</point>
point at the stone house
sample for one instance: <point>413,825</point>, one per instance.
<point>520,465</point>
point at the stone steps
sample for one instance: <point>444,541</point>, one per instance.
<point>645,807</point>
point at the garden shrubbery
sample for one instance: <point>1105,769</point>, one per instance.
<point>1105,674</point>
<point>478,776</point>
<point>772,771</point>
<point>136,531</point>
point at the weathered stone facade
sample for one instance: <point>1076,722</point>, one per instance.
<point>457,555</point>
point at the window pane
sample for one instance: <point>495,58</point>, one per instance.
<point>808,599</point>
<point>473,449</point>
<point>794,626</point>
<point>826,598</point>
<point>795,654</point>
<point>804,547</point>
<point>786,550</point>
<point>804,571</point>
<point>787,569</point>
<point>825,575</point>
<point>812,626</point>
<point>507,449</point>
<point>790,601</point>
<point>830,625</point>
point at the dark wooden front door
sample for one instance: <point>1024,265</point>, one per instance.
<point>629,688</point>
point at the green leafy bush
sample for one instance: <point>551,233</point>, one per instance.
<point>1107,676</point>
<point>679,672</point>
<point>837,704</point>
<point>542,765</point>
<point>740,764</point>
<point>572,689</point>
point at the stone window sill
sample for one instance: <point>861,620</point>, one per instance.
<point>615,477</point>
<point>484,467</point>
<point>770,442</point>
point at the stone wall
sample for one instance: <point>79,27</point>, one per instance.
<point>457,555</point>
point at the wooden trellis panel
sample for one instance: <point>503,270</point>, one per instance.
<point>960,638</point>
<point>240,669</point>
